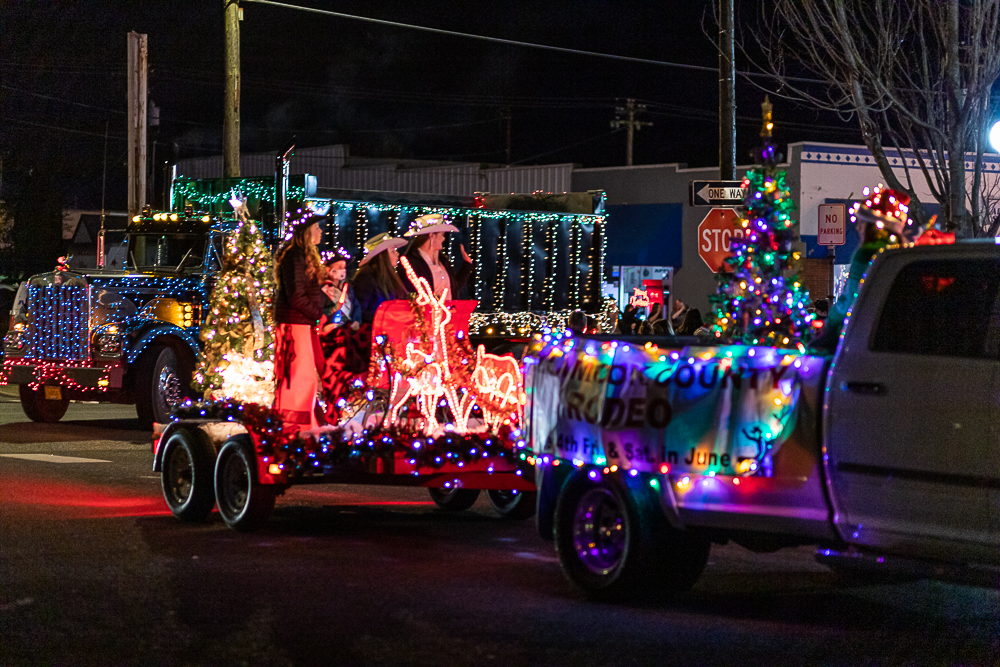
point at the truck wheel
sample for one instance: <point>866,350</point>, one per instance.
<point>615,546</point>
<point>187,476</point>
<point>41,409</point>
<point>158,385</point>
<point>244,503</point>
<point>454,500</point>
<point>518,505</point>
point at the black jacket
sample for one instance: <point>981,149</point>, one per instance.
<point>299,299</point>
<point>458,278</point>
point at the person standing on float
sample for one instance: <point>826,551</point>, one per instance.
<point>298,303</point>
<point>428,260</point>
<point>376,279</point>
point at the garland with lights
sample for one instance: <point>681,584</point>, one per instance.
<point>760,299</point>
<point>526,323</point>
<point>237,358</point>
<point>299,453</point>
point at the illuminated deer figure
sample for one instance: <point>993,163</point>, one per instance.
<point>499,384</point>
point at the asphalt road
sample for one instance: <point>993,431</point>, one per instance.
<point>95,571</point>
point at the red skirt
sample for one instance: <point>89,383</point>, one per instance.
<point>298,361</point>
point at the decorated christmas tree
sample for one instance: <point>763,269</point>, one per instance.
<point>760,299</point>
<point>237,359</point>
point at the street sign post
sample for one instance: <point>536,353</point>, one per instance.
<point>714,234</point>
<point>832,225</point>
<point>717,193</point>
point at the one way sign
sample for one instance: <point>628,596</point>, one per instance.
<point>717,193</point>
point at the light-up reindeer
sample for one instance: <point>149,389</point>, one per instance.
<point>428,375</point>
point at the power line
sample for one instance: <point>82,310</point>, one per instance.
<point>59,99</point>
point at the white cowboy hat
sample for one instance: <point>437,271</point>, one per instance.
<point>428,224</point>
<point>377,244</point>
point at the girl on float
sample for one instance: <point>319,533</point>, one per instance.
<point>341,305</point>
<point>376,280</point>
<point>427,259</point>
<point>298,303</point>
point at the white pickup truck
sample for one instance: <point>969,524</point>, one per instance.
<point>885,455</point>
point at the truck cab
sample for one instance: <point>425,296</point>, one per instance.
<point>123,336</point>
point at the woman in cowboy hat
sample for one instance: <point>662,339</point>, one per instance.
<point>298,306</point>
<point>428,261</point>
<point>376,280</point>
<point>339,293</point>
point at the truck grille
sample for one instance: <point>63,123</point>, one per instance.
<point>60,322</point>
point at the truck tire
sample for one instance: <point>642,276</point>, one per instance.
<point>517,505</point>
<point>454,500</point>
<point>615,545</point>
<point>41,409</point>
<point>244,503</point>
<point>186,475</point>
<point>158,385</point>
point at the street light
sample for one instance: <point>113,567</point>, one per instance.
<point>995,136</point>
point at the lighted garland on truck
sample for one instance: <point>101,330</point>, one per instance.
<point>760,299</point>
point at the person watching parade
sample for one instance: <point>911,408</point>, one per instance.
<point>342,304</point>
<point>376,279</point>
<point>298,307</point>
<point>428,260</point>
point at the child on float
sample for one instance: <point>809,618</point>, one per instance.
<point>341,304</point>
<point>376,279</point>
<point>428,260</point>
<point>298,303</point>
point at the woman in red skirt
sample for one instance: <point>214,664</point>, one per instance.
<point>298,306</point>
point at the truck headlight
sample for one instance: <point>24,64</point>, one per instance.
<point>108,342</point>
<point>15,343</point>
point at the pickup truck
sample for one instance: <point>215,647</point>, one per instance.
<point>884,454</point>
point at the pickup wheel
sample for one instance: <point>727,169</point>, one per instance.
<point>41,409</point>
<point>186,476</point>
<point>517,505</point>
<point>158,385</point>
<point>614,545</point>
<point>454,500</point>
<point>244,503</point>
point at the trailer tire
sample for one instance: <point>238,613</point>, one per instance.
<point>40,409</point>
<point>615,545</point>
<point>159,386</point>
<point>454,500</point>
<point>186,474</point>
<point>244,503</point>
<point>516,505</point>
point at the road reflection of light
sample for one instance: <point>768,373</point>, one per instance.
<point>60,499</point>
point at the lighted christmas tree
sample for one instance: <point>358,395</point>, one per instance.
<point>760,299</point>
<point>237,359</point>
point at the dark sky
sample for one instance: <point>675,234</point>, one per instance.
<point>386,91</point>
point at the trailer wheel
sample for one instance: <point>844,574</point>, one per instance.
<point>186,476</point>
<point>244,503</point>
<point>158,385</point>
<point>454,500</point>
<point>38,408</point>
<point>615,546</point>
<point>518,505</point>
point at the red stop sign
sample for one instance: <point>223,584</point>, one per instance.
<point>714,234</point>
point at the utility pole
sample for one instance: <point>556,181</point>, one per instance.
<point>727,93</point>
<point>137,90</point>
<point>630,123</point>
<point>231,104</point>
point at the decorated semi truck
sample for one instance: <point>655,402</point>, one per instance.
<point>132,334</point>
<point>885,454</point>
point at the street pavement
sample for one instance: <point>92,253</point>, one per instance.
<point>95,571</point>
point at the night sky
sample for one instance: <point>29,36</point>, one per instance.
<point>386,91</point>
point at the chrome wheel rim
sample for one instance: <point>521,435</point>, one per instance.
<point>169,386</point>
<point>599,531</point>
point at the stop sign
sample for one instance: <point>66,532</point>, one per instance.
<point>714,233</point>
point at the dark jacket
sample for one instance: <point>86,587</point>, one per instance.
<point>369,296</point>
<point>299,299</point>
<point>458,278</point>
<point>329,305</point>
